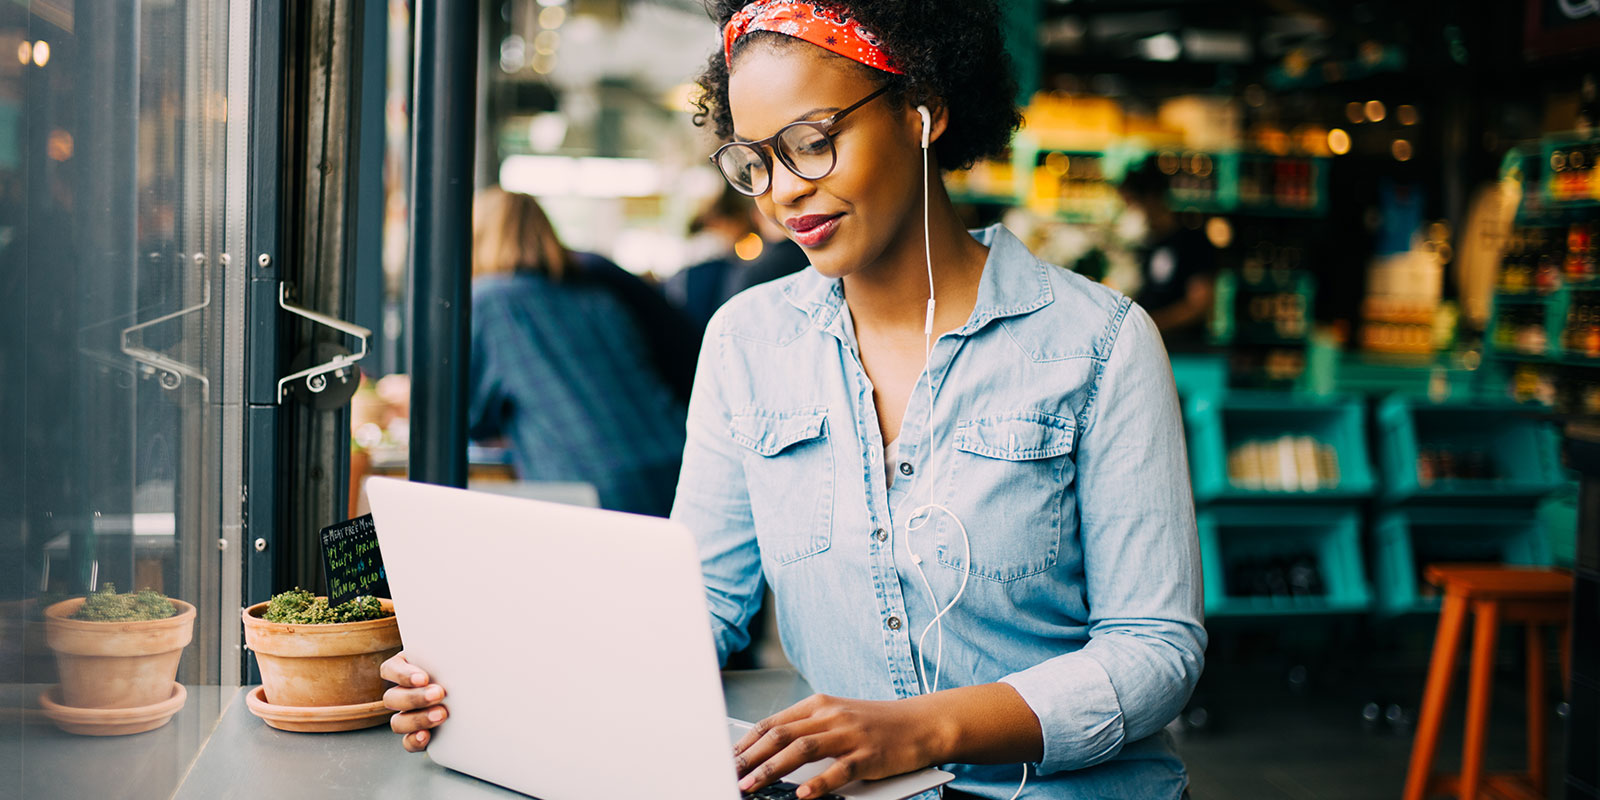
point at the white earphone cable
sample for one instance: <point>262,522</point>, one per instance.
<point>921,514</point>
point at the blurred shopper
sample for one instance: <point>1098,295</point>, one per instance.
<point>1177,265</point>
<point>562,366</point>
<point>701,289</point>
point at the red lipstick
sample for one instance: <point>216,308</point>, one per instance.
<point>812,230</point>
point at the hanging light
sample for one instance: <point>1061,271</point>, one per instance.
<point>1338,141</point>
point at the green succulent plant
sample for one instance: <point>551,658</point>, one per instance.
<point>108,606</point>
<point>299,607</point>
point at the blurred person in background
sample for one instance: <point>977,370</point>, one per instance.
<point>753,252</point>
<point>728,222</point>
<point>1178,268</point>
<point>562,361</point>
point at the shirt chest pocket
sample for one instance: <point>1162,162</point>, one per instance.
<point>789,473</point>
<point>1008,480</point>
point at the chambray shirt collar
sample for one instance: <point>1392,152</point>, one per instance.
<point>1014,282</point>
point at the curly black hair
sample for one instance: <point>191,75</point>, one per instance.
<point>949,50</point>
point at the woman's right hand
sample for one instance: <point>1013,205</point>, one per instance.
<point>416,700</point>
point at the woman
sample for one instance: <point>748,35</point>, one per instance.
<point>563,364</point>
<point>982,546</point>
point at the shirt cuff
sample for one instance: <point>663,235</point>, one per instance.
<point>1078,711</point>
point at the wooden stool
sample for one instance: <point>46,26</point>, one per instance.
<point>1531,597</point>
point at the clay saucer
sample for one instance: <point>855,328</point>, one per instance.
<point>316,719</point>
<point>111,721</point>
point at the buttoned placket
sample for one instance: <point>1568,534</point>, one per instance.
<point>882,499</point>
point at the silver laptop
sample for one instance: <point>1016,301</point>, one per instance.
<point>574,644</point>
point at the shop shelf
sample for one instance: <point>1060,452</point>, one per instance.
<point>1235,542</point>
<point>1585,193</point>
<point>1520,452</point>
<point>1378,374</point>
<point>1521,298</point>
<point>1265,338</point>
<point>1234,290</point>
<point>1554,308</point>
<point>1266,200</point>
<point>1217,425</point>
<point>1406,541</point>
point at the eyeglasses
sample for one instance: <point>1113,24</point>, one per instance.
<point>805,147</point>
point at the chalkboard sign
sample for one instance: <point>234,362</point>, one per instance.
<point>351,559</point>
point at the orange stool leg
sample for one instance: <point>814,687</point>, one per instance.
<point>1536,700</point>
<point>1436,695</point>
<point>1481,681</point>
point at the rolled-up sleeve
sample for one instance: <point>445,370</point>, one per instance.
<point>714,504</point>
<point>1141,563</point>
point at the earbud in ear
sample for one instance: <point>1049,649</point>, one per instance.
<point>927,125</point>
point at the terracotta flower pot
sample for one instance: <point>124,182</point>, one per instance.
<point>321,665</point>
<point>25,656</point>
<point>116,664</point>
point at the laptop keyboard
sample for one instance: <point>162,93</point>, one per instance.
<point>781,791</point>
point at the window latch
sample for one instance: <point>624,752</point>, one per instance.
<point>337,365</point>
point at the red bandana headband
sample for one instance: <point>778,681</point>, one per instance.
<point>822,24</point>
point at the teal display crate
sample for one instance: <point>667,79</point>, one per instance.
<point>1216,424</point>
<point>1330,534</point>
<point>1521,450</point>
<point>1558,519</point>
<point>1196,374</point>
<point>1406,541</point>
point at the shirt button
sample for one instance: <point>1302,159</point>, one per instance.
<point>905,468</point>
<point>894,623</point>
<point>881,535</point>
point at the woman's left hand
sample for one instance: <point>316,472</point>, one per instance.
<point>867,739</point>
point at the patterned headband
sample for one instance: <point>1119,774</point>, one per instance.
<point>823,24</point>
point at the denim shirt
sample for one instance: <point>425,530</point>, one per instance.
<point>1056,440</point>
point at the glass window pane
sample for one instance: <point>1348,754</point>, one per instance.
<point>121,207</point>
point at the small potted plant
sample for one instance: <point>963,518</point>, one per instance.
<point>117,656</point>
<point>24,653</point>
<point>320,663</point>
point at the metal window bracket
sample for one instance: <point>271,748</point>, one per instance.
<point>172,370</point>
<point>316,377</point>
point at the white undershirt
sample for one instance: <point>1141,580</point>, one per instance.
<point>891,450</point>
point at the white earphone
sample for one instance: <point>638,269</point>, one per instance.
<point>920,515</point>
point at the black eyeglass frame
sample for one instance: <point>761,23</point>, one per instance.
<point>770,144</point>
